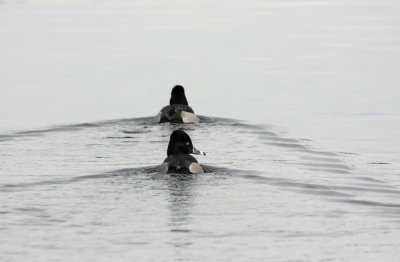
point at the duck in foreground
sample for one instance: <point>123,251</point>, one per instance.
<point>178,110</point>
<point>179,159</point>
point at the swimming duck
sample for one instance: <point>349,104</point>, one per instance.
<point>178,110</point>
<point>178,158</point>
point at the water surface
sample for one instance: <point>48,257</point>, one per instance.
<point>92,192</point>
<point>299,102</point>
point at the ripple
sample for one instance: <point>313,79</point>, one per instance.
<point>368,203</point>
<point>330,170</point>
<point>322,159</point>
<point>286,145</point>
<point>334,166</point>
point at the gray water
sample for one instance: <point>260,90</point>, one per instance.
<point>300,122</point>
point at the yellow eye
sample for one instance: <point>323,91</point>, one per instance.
<point>188,143</point>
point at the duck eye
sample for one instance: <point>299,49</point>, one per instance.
<point>188,143</point>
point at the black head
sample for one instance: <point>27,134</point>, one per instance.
<point>178,96</point>
<point>179,143</point>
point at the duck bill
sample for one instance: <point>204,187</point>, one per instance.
<point>198,152</point>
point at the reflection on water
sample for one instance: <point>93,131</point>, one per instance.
<point>180,189</point>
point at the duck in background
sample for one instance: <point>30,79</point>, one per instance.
<point>178,110</point>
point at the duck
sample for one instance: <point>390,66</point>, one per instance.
<point>178,158</point>
<point>178,110</point>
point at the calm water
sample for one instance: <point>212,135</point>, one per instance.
<point>299,102</point>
